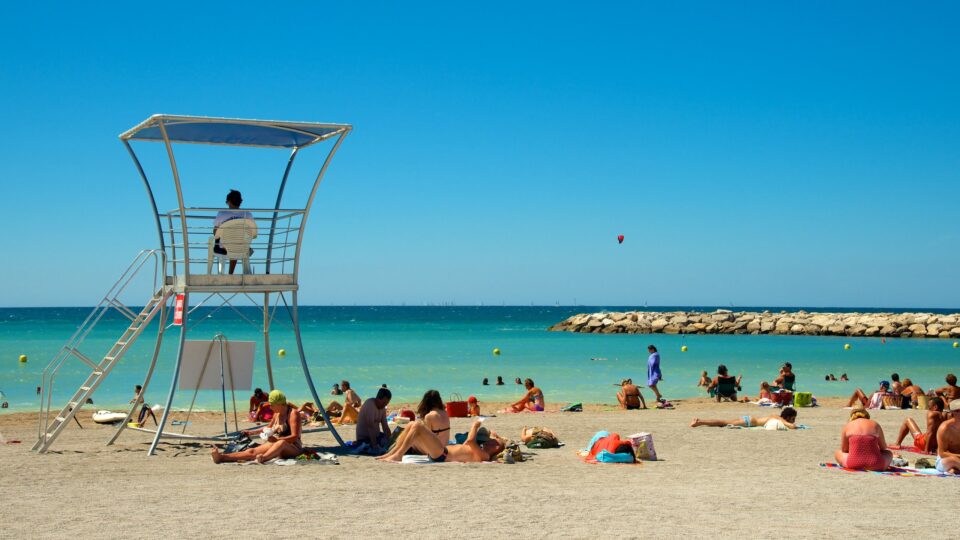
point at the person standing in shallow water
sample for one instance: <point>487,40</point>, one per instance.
<point>654,376</point>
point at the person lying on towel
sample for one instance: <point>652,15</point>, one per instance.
<point>608,447</point>
<point>481,445</point>
<point>786,420</point>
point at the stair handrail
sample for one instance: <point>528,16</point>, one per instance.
<point>48,376</point>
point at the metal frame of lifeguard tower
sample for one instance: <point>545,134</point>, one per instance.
<point>179,263</point>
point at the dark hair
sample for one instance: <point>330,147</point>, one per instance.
<point>789,414</point>
<point>431,402</point>
<point>895,377</point>
<point>258,392</point>
<point>499,378</point>
<point>528,382</point>
<point>935,402</point>
<point>951,378</point>
<point>345,384</point>
<point>788,365</point>
<point>384,393</point>
<point>826,377</point>
<point>722,370</point>
<point>626,448</point>
<point>651,348</point>
<point>517,380</point>
<point>139,388</point>
<point>234,197</point>
<point>335,385</point>
<point>486,381</point>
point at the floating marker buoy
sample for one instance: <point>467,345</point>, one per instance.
<point>620,239</point>
<point>496,352</point>
<point>956,344</point>
<point>23,359</point>
<point>281,353</point>
<point>883,340</point>
<point>846,346</point>
<point>683,348</point>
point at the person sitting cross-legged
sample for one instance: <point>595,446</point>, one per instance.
<point>283,442</point>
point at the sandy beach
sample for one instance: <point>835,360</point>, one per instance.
<point>735,483</point>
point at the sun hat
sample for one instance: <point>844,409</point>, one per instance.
<point>472,399</point>
<point>954,405</point>
<point>483,435</point>
<point>277,398</point>
<point>885,383</point>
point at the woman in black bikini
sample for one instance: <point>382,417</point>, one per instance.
<point>434,415</point>
<point>284,442</point>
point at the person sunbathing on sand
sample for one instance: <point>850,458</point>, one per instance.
<point>350,409</point>
<point>531,401</point>
<point>949,392</point>
<point>875,401</point>
<point>629,396</point>
<point>924,441</point>
<point>948,441</point>
<point>481,445</point>
<point>862,445</point>
<point>786,419</point>
<point>433,413</point>
<point>284,441</point>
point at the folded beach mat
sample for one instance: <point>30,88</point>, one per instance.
<point>895,471</point>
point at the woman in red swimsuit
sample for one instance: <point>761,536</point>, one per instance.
<point>862,445</point>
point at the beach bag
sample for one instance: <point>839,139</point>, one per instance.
<point>643,446</point>
<point>803,399</point>
<point>543,438</point>
<point>456,407</point>
<point>782,397</point>
<point>923,402</point>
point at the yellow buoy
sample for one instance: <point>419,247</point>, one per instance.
<point>956,344</point>
<point>281,353</point>
<point>496,352</point>
<point>23,359</point>
<point>846,346</point>
<point>683,348</point>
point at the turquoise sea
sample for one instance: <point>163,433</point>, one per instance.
<point>412,349</point>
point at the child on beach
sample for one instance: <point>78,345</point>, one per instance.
<point>765,392</point>
<point>473,406</point>
<point>704,379</point>
<point>784,421</point>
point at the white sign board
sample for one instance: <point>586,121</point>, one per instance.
<point>200,369</point>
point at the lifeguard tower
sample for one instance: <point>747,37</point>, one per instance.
<point>188,272</point>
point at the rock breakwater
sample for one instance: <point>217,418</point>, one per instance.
<point>799,323</point>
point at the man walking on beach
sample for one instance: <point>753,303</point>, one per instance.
<point>372,427</point>
<point>948,441</point>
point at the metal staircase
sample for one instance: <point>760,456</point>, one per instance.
<point>51,425</point>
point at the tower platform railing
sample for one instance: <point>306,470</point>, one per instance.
<point>192,263</point>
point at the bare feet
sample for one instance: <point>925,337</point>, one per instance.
<point>695,423</point>
<point>215,454</point>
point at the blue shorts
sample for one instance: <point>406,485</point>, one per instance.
<point>939,465</point>
<point>746,420</point>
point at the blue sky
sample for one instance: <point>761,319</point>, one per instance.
<point>756,153</point>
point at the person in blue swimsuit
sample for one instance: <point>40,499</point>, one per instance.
<point>654,375</point>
